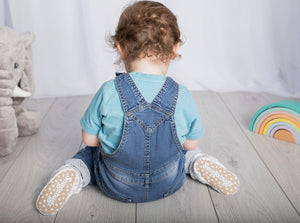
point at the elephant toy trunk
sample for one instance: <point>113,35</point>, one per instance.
<point>8,130</point>
<point>8,120</point>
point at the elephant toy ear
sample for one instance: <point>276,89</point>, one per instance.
<point>26,82</point>
<point>27,39</point>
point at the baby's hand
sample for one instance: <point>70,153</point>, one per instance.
<point>190,144</point>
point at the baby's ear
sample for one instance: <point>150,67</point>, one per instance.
<point>120,49</point>
<point>27,39</point>
<point>175,50</point>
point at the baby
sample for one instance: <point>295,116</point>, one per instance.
<point>142,128</point>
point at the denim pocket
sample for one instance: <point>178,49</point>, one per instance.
<point>114,195</point>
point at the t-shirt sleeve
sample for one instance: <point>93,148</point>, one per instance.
<point>91,120</point>
<point>196,129</point>
<point>192,117</point>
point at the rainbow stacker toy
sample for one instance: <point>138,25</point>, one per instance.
<point>279,120</point>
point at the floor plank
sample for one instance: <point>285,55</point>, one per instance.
<point>259,199</point>
<point>40,105</point>
<point>191,203</point>
<point>280,157</point>
<point>57,140</point>
<point>91,205</point>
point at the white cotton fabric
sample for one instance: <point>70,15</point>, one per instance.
<point>233,45</point>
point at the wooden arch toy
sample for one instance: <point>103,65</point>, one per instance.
<point>279,120</point>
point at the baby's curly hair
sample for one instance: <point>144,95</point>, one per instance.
<point>146,28</point>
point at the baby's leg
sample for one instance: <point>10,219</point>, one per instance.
<point>84,162</point>
<point>208,170</point>
<point>66,181</point>
<point>189,157</point>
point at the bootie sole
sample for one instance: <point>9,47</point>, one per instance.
<point>56,193</point>
<point>218,177</point>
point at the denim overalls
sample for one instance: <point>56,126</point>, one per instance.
<point>149,162</point>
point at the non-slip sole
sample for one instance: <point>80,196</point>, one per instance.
<point>219,178</point>
<point>56,193</point>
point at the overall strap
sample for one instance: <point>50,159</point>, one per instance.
<point>129,94</point>
<point>167,96</point>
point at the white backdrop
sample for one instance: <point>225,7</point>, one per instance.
<point>247,45</point>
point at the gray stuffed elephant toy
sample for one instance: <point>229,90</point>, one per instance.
<point>15,85</point>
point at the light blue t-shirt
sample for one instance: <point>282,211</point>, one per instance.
<point>104,116</point>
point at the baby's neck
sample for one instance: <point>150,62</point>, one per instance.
<point>148,66</point>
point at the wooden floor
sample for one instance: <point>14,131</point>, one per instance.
<point>268,169</point>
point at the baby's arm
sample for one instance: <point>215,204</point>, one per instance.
<point>190,144</point>
<point>90,140</point>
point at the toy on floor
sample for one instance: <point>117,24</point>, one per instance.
<point>15,84</point>
<point>279,120</point>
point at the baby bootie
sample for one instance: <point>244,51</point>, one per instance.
<point>65,182</point>
<point>208,170</point>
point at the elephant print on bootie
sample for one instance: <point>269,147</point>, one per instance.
<point>16,84</point>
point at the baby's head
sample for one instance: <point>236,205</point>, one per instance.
<point>147,29</point>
